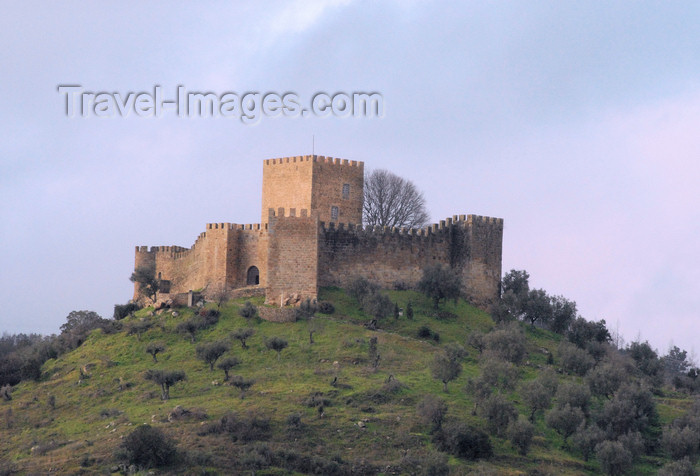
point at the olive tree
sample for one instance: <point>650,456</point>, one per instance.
<point>154,348</point>
<point>166,379</point>
<point>211,351</point>
<point>278,344</point>
<point>145,278</point>
<point>440,283</point>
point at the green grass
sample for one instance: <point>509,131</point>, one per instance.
<point>92,414</point>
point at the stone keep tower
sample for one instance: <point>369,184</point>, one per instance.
<point>330,189</point>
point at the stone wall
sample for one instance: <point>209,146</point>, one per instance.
<point>381,256</point>
<point>292,265</point>
<point>220,256</point>
<point>388,256</point>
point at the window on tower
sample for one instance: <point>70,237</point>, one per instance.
<point>334,213</point>
<point>346,190</point>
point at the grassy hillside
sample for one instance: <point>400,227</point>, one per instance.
<point>88,400</point>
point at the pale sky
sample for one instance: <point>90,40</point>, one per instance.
<point>578,123</point>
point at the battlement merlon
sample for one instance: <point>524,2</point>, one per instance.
<point>434,228</point>
<point>288,213</point>
<point>161,249</point>
<point>315,158</point>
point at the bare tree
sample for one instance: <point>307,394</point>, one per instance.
<point>392,201</point>
<point>219,294</point>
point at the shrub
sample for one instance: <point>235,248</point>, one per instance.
<point>680,443</point>
<point>682,467</point>
<point>392,385</point>
<point>499,374</point>
<point>401,286</point>
<point>243,334</point>
<point>459,439</point>
<point>581,332</point>
<point>189,327</point>
<point>325,307</point>
<point>209,317</point>
<point>241,383</point>
<point>148,447</point>
<point>475,339</point>
<point>227,364</point>
<point>520,433</point>
<point>444,315</point>
<point>317,399</point>
<point>211,351</point>
<point>500,312</point>
<point>631,409</point>
<point>248,311</point>
<point>499,413</point>
<point>409,311</point>
<point>586,438</point>
<point>647,360</point>
<point>123,310</point>
<point>424,332</point>
<point>445,368</point>
<point>507,343</point>
<point>565,420</point>
<point>432,411</point>
<point>613,457</point>
<point>372,349</point>
<point>606,378</point>
<point>245,428</point>
<point>378,305</point>
<point>307,308</point>
<point>536,396</point>
<point>359,288</point>
<point>294,422</point>
<point>633,443</point>
<point>575,395</point>
<point>440,283</point>
<point>139,327</point>
<point>252,427</point>
<point>278,344</point>
<point>6,392</point>
<point>166,379</point>
<point>574,360</point>
<point>205,312</point>
<point>431,463</point>
<point>154,348</point>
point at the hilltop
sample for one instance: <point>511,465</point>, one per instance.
<point>331,406</point>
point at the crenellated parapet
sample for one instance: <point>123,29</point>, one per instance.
<point>442,227</point>
<point>299,159</point>
<point>281,212</point>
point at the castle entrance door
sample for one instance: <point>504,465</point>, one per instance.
<point>253,276</point>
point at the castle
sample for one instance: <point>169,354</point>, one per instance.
<point>310,235</point>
